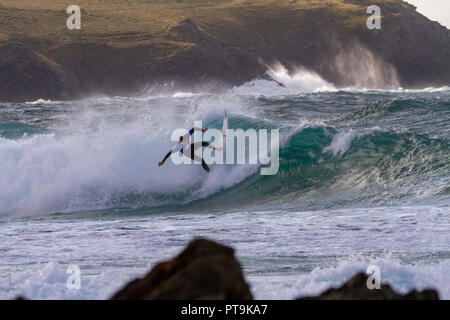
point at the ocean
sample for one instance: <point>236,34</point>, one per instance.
<point>364,179</point>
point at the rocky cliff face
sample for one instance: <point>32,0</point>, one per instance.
<point>131,47</point>
<point>26,75</point>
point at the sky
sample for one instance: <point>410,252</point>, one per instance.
<point>435,10</point>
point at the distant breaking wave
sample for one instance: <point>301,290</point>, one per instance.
<point>284,83</point>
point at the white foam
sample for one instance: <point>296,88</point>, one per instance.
<point>182,94</point>
<point>48,280</point>
<point>342,140</point>
<point>297,82</point>
<point>43,101</point>
<point>107,148</point>
<point>284,254</point>
<point>428,89</point>
<point>396,90</point>
<point>402,277</point>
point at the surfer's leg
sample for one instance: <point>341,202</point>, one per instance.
<point>193,156</point>
<point>208,145</point>
<point>205,166</point>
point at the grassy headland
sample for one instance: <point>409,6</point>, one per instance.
<point>128,46</point>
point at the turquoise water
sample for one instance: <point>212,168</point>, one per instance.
<point>363,179</point>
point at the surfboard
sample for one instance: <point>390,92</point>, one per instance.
<point>225,125</point>
<point>224,131</point>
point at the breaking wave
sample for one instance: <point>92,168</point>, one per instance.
<point>107,156</point>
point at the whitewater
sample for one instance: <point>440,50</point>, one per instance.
<point>363,180</point>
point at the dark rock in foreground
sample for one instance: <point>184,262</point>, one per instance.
<point>356,289</point>
<point>204,270</point>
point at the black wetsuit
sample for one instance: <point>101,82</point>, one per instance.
<point>192,155</point>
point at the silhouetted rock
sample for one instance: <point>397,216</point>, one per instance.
<point>204,270</point>
<point>356,289</point>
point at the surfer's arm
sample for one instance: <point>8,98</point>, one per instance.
<point>165,158</point>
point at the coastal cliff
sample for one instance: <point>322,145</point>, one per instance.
<point>138,47</point>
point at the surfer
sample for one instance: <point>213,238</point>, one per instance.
<point>188,150</point>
